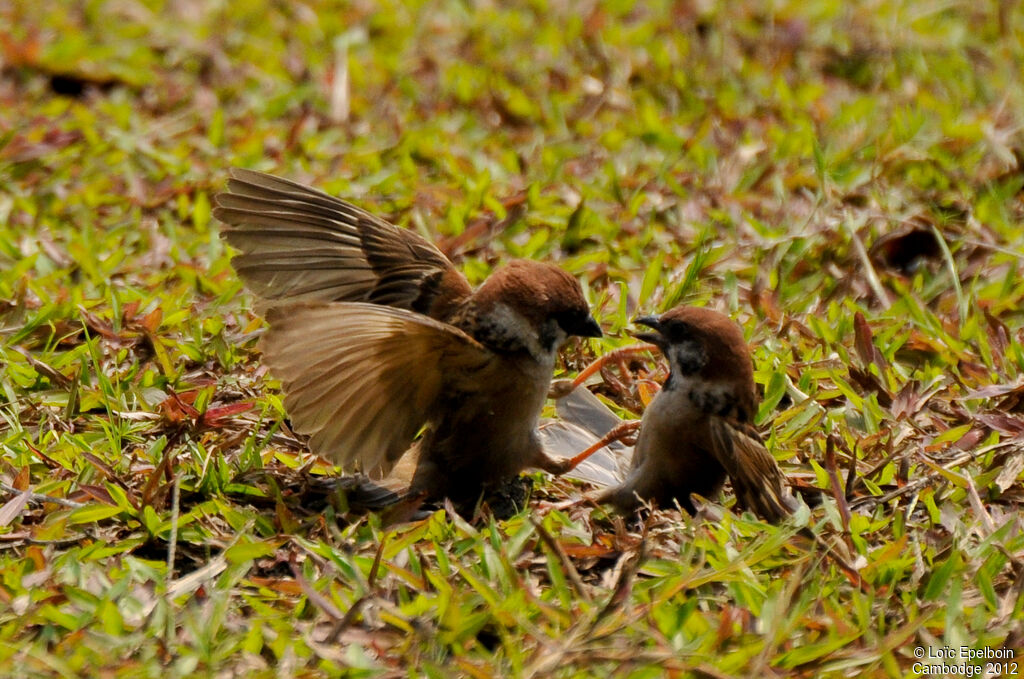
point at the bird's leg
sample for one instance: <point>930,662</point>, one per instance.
<point>617,433</point>
<point>562,388</point>
<point>618,355</point>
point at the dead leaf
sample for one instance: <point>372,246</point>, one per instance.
<point>21,481</point>
<point>1012,468</point>
<point>12,508</point>
<point>1006,424</point>
<point>865,344</point>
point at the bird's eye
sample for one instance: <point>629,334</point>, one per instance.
<point>678,331</point>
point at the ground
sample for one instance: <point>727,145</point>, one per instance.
<point>842,178</point>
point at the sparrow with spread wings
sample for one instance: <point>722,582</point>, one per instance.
<point>697,430</point>
<point>385,352</point>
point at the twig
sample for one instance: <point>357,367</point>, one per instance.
<point>172,548</point>
<point>41,498</point>
<point>346,620</point>
<point>315,597</point>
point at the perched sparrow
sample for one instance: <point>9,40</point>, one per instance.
<point>377,338</point>
<point>698,428</point>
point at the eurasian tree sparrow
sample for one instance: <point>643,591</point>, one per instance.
<point>377,338</point>
<point>699,428</point>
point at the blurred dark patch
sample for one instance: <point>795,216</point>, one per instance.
<point>489,638</point>
<point>76,86</point>
<point>505,500</point>
<point>856,67</point>
<point>906,249</point>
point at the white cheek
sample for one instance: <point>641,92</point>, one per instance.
<point>522,332</point>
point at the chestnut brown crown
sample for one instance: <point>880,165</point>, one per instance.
<point>548,300</point>
<point>702,343</point>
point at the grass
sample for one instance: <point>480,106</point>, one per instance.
<point>842,178</point>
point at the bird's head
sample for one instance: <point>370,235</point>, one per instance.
<point>533,306</point>
<point>701,344</point>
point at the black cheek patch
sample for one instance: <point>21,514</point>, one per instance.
<point>690,356</point>
<point>548,335</point>
<point>494,335</point>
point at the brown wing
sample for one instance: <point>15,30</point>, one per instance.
<point>362,379</point>
<point>756,478</point>
<point>300,243</point>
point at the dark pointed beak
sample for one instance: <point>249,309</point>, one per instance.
<point>589,328</point>
<point>655,338</point>
<point>580,325</point>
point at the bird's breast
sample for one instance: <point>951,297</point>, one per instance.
<point>487,433</point>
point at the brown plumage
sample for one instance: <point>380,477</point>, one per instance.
<point>298,243</point>
<point>377,338</point>
<point>698,429</point>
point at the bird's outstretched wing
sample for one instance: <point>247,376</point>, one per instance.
<point>759,484</point>
<point>298,243</point>
<point>583,421</point>
<point>361,380</point>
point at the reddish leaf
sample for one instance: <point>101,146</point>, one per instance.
<point>154,478</point>
<point>212,416</point>
<point>999,334</point>
<point>970,439</point>
<point>865,343</point>
<point>38,557</point>
<point>862,339</point>
<point>975,371</point>
<point>578,551</point>
<point>129,311</point>
<point>21,481</point>
<point>281,585</point>
<point>178,408</point>
<point>908,401</point>
<point>98,493</point>
<point>152,320</point>
<point>869,382</point>
<point>99,326</point>
<point>24,52</point>
<point>992,390</point>
<point>837,489</point>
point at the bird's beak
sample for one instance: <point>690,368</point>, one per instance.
<point>589,328</point>
<point>655,338</point>
<point>580,326</point>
